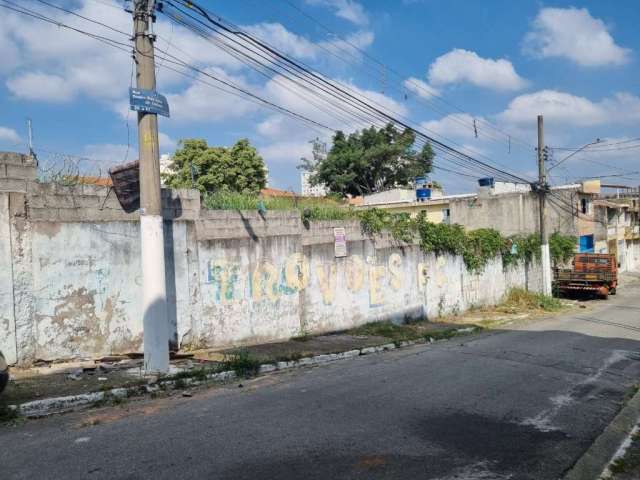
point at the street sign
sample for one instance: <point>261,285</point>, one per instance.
<point>149,101</point>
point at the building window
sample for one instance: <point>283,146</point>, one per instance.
<point>446,215</point>
<point>584,206</point>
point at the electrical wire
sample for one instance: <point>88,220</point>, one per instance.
<point>126,48</point>
<point>232,31</point>
<point>458,158</point>
<point>430,94</point>
<point>326,85</point>
<point>603,144</point>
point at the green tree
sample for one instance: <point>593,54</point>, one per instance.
<point>372,160</point>
<point>236,169</point>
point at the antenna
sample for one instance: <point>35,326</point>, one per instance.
<point>32,153</point>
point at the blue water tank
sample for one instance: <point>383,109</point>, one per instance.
<point>486,182</point>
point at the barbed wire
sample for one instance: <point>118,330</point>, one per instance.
<point>68,169</point>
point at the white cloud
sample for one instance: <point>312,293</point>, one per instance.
<point>420,88</point>
<point>68,65</point>
<point>337,114</point>
<point>166,142</point>
<point>278,36</point>
<point>40,86</point>
<point>199,102</point>
<point>274,126</point>
<point>571,110</point>
<point>286,152</point>
<point>9,135</point>
<point>460,66</point>
<point>457,126</point>
<point>282,39</point>
<point>350,47</point>
<point>98,158</point>
<point>349,10</point>
<point>574,34</point>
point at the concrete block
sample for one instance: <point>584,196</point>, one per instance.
<point>13,185</point>
<point>43,214</point>
<point>61,201</point>
<point>15,158</point>
<point>26,172</point>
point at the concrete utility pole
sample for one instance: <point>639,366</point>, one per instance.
<point>542,191</point>
<point>154,295</point>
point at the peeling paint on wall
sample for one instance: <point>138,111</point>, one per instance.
<point>75,290</point>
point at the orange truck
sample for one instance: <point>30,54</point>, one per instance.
<point>592,273</point>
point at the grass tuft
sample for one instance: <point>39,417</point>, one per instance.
<point>310,208</point>
<point>518,299</point>
<point>243,363</point>
<point>386,329</point>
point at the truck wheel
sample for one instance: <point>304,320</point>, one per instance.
<point>612,291</point>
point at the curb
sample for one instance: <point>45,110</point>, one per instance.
<point>595,460</point>
<point>57,405</point>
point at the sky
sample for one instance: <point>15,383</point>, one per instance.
<point>473,75</point>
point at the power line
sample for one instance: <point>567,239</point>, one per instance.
<point>457,157</point>
<point>603,144</point>
<point>31,13</point>
<point>329,87</point>
<point>431,94</point>
<point>120,45</point>
<point>75,14</point>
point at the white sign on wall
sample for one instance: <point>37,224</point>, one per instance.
<point>340,242</point>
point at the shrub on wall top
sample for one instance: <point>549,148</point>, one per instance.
<point>477,247</point>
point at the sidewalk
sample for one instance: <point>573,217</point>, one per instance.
<point>60,383</point>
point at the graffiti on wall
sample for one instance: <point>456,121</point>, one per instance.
<point>231,282</point>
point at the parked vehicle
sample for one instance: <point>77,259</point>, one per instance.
<point>4,373</point>
<point>593,273</point>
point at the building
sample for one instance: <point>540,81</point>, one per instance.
<point>308,190</point>
<point>405,200</point>
<point>618,229</point>
<point>514,209</point>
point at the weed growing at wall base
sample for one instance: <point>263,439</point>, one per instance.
<point>243,363</point>
<point>520,299</point>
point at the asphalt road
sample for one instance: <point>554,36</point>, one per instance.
<point>523,403</point>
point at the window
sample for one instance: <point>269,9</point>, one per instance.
<point>446,215</point>
<point>584,206</point>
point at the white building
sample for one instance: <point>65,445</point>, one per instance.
<point>308,190</point>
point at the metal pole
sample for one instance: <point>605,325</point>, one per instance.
<point>154,295</point>
<point>542,190</point>
<point>30,134</point>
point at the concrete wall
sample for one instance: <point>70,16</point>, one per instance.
<point>518,213</point>
<point>71,275</point>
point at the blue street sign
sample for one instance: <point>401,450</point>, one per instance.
<point>423,193</point>
<point>148,101</point>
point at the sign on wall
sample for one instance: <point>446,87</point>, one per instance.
<point>340,242</point>
<point>149,101</point>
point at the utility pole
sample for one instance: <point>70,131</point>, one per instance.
<point>154,295</point>
<point>542,191</point>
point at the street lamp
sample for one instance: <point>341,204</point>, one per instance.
<point>597,140</point>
